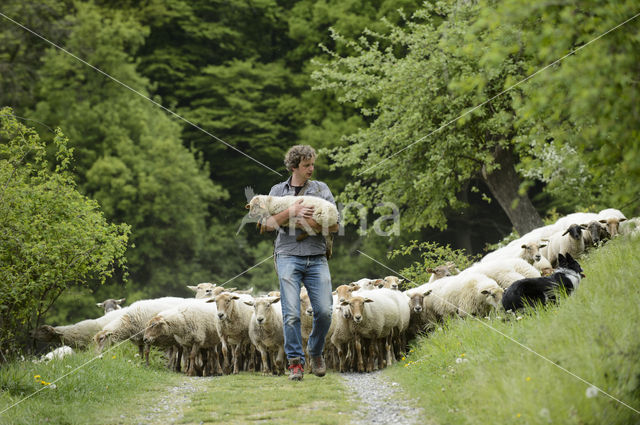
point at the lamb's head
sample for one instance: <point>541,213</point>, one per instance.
<point>531,251</point>
<point>262,308</point>
<point>356,307</point>
<point>392,282</point>
<point>491,294</point>
<point>441,271</point>
<point>111,304</point>
<point>575,231</point>
<point>258,207</point>
<point>225,303</point>
<point>102,339</point>
<point>344,291</point>
<point>416,300</point>
<point>597,231</point>
<point>612,224</point>
<point>203,290</point>
<point>46,333</point>
<point>154,329</point>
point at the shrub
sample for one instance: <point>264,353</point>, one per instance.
<point>51,236</point>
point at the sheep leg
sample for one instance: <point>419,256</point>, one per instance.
<point>237,351</point>
<point>279,361</point>
<point>191,370</point>
<point>359,354</point>
<point>388,346</point>
<point>146,350</point>
<point>264,355</point>
<point>226,366</point>
<point>372,364</point>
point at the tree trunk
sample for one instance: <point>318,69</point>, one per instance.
<point>504,183</point>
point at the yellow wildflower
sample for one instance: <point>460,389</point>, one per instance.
<point>36,376</point>
<point>528,379</point>
<point>518,415</point>
<point>113,357</point>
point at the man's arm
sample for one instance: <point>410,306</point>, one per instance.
<point>296,210</point>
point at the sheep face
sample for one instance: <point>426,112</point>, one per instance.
<point>392,282</point>
<point>262,309</point>
<point>305,304</point>
<point>415,302</point>
<point>344,292</point>
<point>492,295</point>
<point>204,290</point>
<point>225,305</point>
<point>258,207</point>
<point>102,339</point>
<point>597,231</point>
<point>111,304</point>
<point>356,307</point>
<point>46,333</point>
<point>531,252</point>
<point>440,271</point>
<point>155,328</point>
<point>613,224</point>
<point>574,231</point>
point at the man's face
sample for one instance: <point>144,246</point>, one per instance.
<point>304,169</point>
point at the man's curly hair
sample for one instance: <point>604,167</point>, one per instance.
<point>296,154</point>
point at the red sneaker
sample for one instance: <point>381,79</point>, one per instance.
<point>296,370</point>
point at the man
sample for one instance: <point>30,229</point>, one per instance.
<point>300,259</point>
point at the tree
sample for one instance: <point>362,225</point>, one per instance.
<point>425,142</point>
<point>131,157</point>
<point>581,116</point>
<point>51,236</point>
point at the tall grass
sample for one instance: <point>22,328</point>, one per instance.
<point>106,390</point>
<point>470,372</point>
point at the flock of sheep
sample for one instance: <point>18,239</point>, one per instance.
<point>222,330</point>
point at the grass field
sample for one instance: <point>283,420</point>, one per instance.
<point>472,371</point>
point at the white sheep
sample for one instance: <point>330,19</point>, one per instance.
<point>504,271</point>
<point>342,337</point>
<point>79,334</point>
<point>392,282</point>
<point>57,354</point>
<point>447,269</point>
<point>325,213</point>
<point>266,332</point>
<point>611,218</point>
<point>234,317</point>
<point>132,323</point>
<point>192,326</point>
<point>464,294</point>
<point>569,241</point>
<point>630,227</point>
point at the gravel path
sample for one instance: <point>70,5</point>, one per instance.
<point>168,408</point>
<point>382,401</point>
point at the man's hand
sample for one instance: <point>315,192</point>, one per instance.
<point>302,211</point>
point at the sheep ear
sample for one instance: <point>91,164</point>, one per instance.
<point>368,300</point>
<point>193,288</point>
<point>276,299</point>
<point>567,231</point>
<point>235,297</point>
<point>427,293</point>
<point>543,245</point>
<point>100,305</point>
<point>344,303</point>
<point>120,301</point>
<point>247,206</point>
<point>485,292</point>
<point>334,293</point>
<point>583,226</point>
<point>231,289</point>
<point>621,220</point>
<point>211,300</point>
<point>354,288</point>
<point>430,270</point>
<point>524,246</point>
<point>400,281</point>
<point>603,221</point>
<point>249,303</point>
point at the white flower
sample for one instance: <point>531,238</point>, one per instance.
<point>545,414</point>
<point>458,360</point>
<point>592,392</point>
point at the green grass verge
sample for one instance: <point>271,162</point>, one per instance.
<point>467,373</point>
<point>108,390</point>
<point>254,398</point>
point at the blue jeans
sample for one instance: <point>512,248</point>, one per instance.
<point>313,270</point>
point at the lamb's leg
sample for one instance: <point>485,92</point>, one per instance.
<point>359,353</point>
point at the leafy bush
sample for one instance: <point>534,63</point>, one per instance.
<point>51,236</point>
<point>432,254</point>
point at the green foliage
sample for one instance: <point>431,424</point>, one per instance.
<point>462,368</point>
<point>431,255</point>
<point>581,115</point>
<point>51,236</point>
<point>410,82</point>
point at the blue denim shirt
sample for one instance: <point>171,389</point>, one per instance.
<point>286,243</point>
